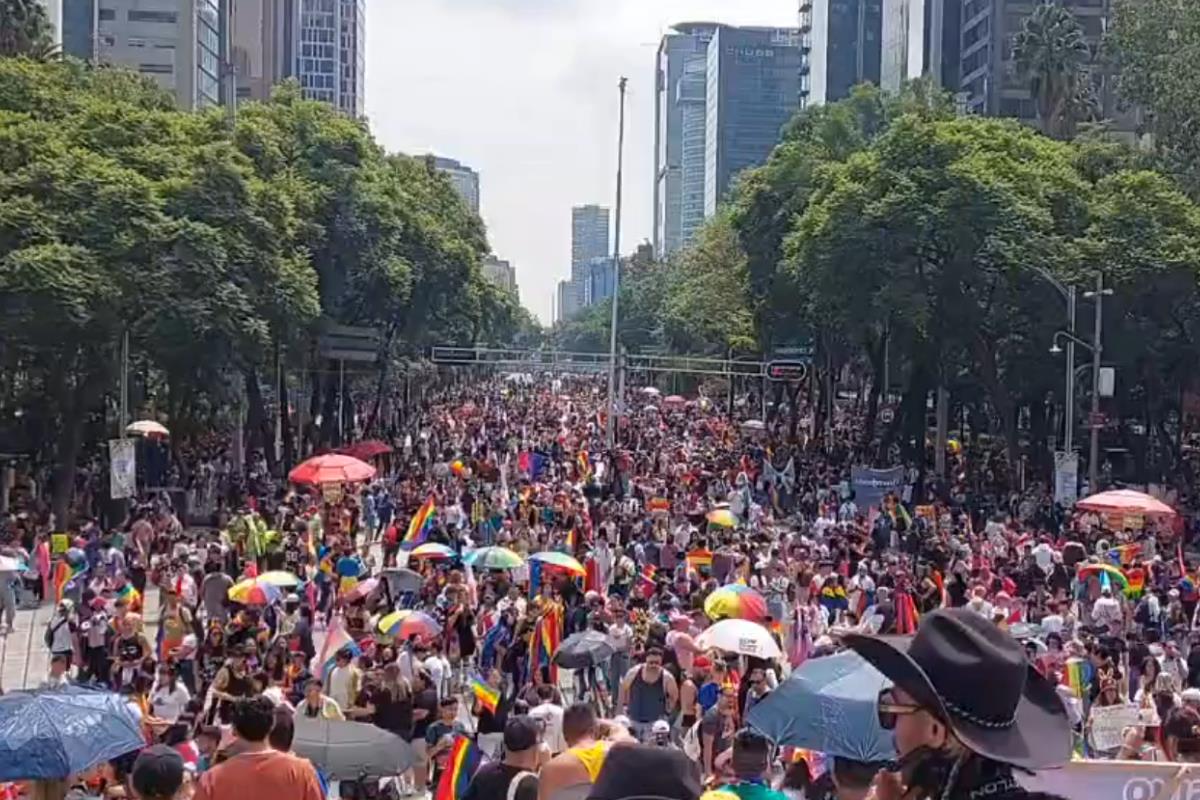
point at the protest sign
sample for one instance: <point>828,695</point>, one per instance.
<point>870,485</point>
<point>1117,780</point>
<point>1108,724</point>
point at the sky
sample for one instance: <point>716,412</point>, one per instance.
<point>525,92</point>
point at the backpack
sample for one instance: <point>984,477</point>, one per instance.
<point>691,742</point>
<point>514,785</point>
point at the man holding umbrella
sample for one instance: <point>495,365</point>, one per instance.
<point>966,709</point>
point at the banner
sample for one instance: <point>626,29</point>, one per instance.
<point>1066,477</point>
<point>122,467</point>
<point>1117,780</point>
<point>870,485</point>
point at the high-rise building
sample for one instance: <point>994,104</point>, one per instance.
<point>332,62</point>
<point>752,90</point>
<point>589,233</point>
<point>884,42</point>
<point>266,37</point>
<point>568,303</point>
<point>464,180</point>
<point>54,13</point>
<point>679,102</point>
<point>500,272</point>
<point>181,44</point>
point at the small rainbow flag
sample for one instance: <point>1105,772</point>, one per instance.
<point>699,558</point>
<point>659,504</point>
<point>421,523</point>
<point>1075,677</point>
<point>547,634</point>
<point>585,465</point>
<point>465,760</point>
<point>572,541</point>
<point>131,596</point>
<point>64,573</point>
<point>488,697</point>
<point>646,580</point>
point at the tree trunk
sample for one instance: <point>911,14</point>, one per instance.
<point>285,418</point>
<point>257,419</point>
<point>74,402</point>
<point>384,362</point>
<point>875,354</point>
<point>1002,400</point>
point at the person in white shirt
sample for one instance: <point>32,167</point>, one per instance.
<point>169,697</point>
<point>437,675</point>
<point>344,680</point>
<point>550,715</point>
<point>1107,609</point>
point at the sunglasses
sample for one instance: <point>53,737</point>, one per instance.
<point>890,711</point>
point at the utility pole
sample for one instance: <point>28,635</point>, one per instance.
<point>123,422</point>
<point>1097,349</point>
<point>610,420</point>
<point>1069,409</point>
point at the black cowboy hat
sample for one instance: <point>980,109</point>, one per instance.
<point>977,679</point>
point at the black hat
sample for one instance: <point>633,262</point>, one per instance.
<point>157,773</point>
<point>635,771</point>
<point>521,733</point>
<point>977,679</point>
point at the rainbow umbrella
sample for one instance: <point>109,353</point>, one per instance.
<point>129,594</point>
<point>254,592</point>
<point>406,622</point>
<point>279,577</point>
<point>736,601</point>
<point>432,550</point>
<point>1115,575</point>
<point>494,558</point>
<point>722,517</point>
<point>553,558</point>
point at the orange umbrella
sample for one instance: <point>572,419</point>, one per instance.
<point>1125,501</point>
<point>332,468</point>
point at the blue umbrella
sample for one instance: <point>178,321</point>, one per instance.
<point>829,704</point>
<point>57,733</point>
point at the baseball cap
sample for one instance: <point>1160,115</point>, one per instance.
<point>157,773</point>
<point>521,733</point>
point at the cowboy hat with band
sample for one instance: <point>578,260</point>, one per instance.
<point>977,680</point>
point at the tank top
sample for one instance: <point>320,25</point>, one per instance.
<point>647,701</point>
<point>591,756</point>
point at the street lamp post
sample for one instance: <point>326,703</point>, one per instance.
<point>610,421</point>
<point>1069,397</point>
<point>1097,350</point>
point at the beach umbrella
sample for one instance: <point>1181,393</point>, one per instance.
<point>279,577</point>
<point>493,558</point>
<point>371,448</point>
<point>53,734</point>
<point>432,550</point>
<point>739,636</point>
<point>406,622</point>
<point>553,558</point>
<point>401,580</point>
<point>361,590</point>
<point>1114,574</point>
<point>148,428</point>
<point>254,592</point>
<point>346,751</point>
<point>332,468</point>
<point>583,649</point>
<point>722,517</point>
<point>736,601</point>
<point>830,705</point>
<point>1125,501</point>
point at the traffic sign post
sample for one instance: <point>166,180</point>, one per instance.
<point>787,370</point>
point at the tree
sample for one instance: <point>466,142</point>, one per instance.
<point>1052,55</point>
<point>25,29</point>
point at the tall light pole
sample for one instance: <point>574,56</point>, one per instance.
<point>610,419</point>
<point>1097,350</point>
<point>1069,407</point>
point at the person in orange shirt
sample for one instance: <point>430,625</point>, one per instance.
<point>258,769</point>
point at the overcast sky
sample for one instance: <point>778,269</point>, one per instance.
<point>525,92</point>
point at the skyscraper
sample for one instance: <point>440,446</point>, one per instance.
<point>332,63</point>
<point>464,179</point>
<point>681,56</point>
<point>589,244</point>
<point>752,90</point>
<point>266,36</point>
<point>181,44</point>
<point>884,42</point>
<point>500,272</point>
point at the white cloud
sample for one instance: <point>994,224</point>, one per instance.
<point>525,91</point>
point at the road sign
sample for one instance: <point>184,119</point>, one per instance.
<point>797,352</point>
<point>787,370</point>
<point>1066,477</point>
<point>349,343</point>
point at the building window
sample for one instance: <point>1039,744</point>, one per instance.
<point>137,15</point>
<point>156,69</point>
<point>136,42</point>
<point>108,14</point>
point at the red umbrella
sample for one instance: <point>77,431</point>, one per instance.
<point>1125,501</point>
<point>366,450</point>
<point>332,468</point>
<point>674,401</point>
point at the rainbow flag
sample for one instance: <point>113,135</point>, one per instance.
<point>907,617</point>
<point>488,697</point>
<point>336,638</point>
<point>572,541</point>
<point>465,760</point>
<point>421,523</point>
<point>130,595</point>
<point>585,465</point>
<point>547,634</point>
<point>1075,677</point>
<point>64,573</point>
<point>699,558</point>
<point>646,580</point>
<point>659,504</point>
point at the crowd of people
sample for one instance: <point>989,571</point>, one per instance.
<point>432,599</point>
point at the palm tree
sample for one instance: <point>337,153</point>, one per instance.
<point>1052,54</point>
<point>24,29</point>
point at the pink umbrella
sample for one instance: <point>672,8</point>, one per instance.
<point>332,468</point>
<point>674,401</point>
<point>362,589</point>
<point>1125,501</point>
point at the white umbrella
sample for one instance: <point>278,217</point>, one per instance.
<point>753,425</point>
<point>650,390</point>
<point>148,427</point>
<point>740,636</point>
